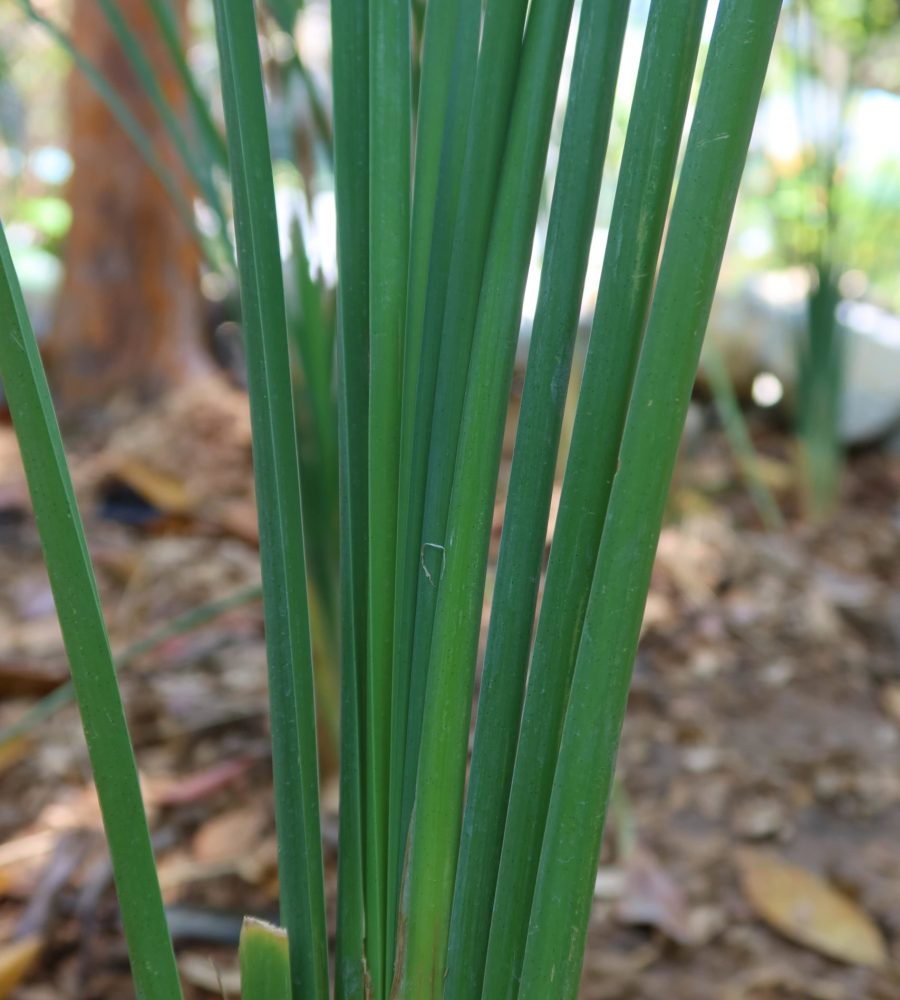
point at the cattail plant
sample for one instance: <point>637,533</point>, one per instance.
<point>448,888</point>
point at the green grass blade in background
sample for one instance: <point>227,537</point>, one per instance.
<point>208,131</point>
<point>197,167</point>
<point>350,37</point>
<point>572,218</point>
<point>285,13</point>
<point>291,694</point>
<point>311,330</point>
<point>701,215</point>
<point>389,197</point>
<point>821,364</point>
<point>265,962</point>
<point>126,120</point>
<point>434,836</point>
<point>445,97</point>
<point>87,645</point>
<point>639,211</point>
<point>320,114</point>
<point>738,434</point>
<point>314,341</point>
<point>196,618</point>
<point>453,303</point>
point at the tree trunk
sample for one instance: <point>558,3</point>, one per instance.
<point>130,312</point>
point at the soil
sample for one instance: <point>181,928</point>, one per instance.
<point>761,748</point>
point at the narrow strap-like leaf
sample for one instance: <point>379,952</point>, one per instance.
<point>445,98</point>
<point>87,645</point>
<point>291,694</point>
<point>572,218</point>
<point>717,148</point>
<point>629,269</point>
<point>434,837</point>
<point>350,35</point>
<point>390,113</point>
<point>451,307</point>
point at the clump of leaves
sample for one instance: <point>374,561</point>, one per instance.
<point>447,891</point>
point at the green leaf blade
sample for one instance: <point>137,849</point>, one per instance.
<point>87,645</point>
<point>639,212</point>
<point>390,110</point>
<point>704,202</point>
<point>582,153</point>
<point>350,33</point>
<point>445,103</point>
<point>452,305</point>
<point>434,836</point>
<point>291,689</point>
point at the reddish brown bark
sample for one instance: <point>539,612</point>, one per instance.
<point>129,317</point>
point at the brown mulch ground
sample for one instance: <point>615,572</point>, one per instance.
<point>761,750</point>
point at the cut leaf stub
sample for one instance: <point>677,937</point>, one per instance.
<point>265,966</point>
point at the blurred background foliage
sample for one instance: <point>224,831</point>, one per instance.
<point>830,121</point>
<point>818,216</point>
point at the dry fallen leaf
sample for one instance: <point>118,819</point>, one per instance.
<point>230,835</point>
<point>30,679</point>
<point>24,850</point>
<point>651,898</point>
<point>16,960</point>
<point>809,911</point>
<point>160,489</point>
<point>891,701</point>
